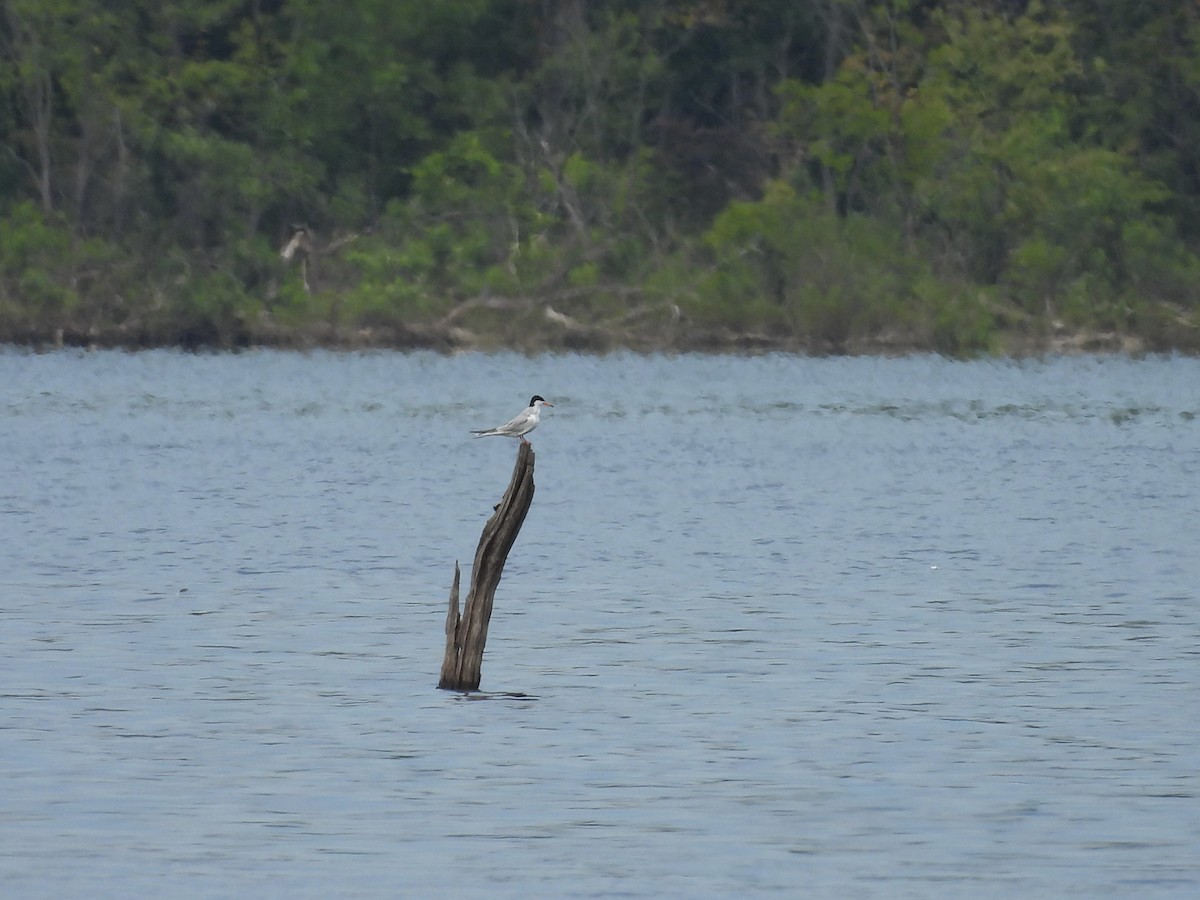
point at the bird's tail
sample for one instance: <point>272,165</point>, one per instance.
<point>485,433</point>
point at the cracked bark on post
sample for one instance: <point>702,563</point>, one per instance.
<point>466,634</point>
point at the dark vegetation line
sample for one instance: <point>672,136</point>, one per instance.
<point>834,176</point>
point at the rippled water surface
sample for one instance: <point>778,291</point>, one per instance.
<point>774,626</point>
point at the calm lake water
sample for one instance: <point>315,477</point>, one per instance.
<point>774,627</point>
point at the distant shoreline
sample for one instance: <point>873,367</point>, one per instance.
<point>595,340</point>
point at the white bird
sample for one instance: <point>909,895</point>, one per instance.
<point>521,424</point>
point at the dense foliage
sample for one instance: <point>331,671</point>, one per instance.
<point>835,174</point>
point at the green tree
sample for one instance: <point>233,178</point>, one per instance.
<point>1020,198</point>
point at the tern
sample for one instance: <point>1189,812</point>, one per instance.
<point>521,424</point>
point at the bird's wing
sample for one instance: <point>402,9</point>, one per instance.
<point>512,426</point>
<point>516,423</point>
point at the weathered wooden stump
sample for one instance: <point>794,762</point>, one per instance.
<point>466,634</point>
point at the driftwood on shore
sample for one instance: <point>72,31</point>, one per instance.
<point>466,634</point>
